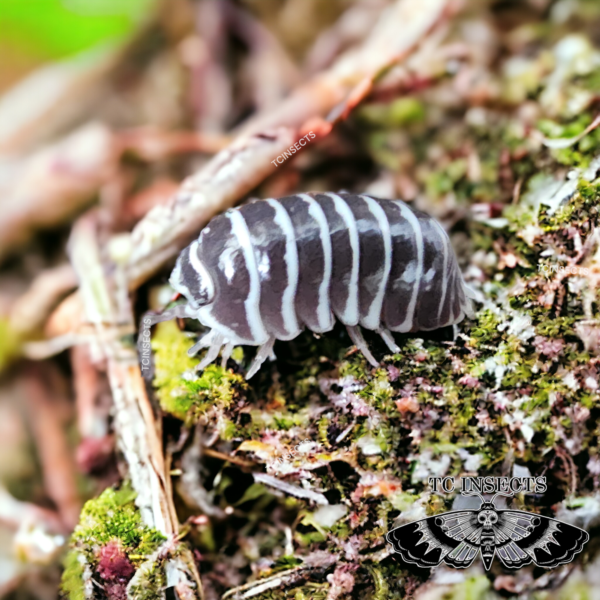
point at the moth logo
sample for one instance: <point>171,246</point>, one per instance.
<point>516,537</point>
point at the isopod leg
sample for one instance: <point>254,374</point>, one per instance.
<point>359,341</point>
<point>204,342</point>
<point>212,353</point>
<point>388,338</point>
<point>196,348</point>
<point>226,354</point>
<point>264,352</point>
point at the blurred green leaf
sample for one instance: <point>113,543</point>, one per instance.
<point>52,29</point>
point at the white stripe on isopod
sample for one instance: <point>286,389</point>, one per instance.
<point>324,314</point>
<point>418,271</point>
<point>203,275</point>
<point>240,231</point>
<point>288,309</point>
<point>373,318</point>
<point>350,314</point>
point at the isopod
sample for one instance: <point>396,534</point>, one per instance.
<point>264,271</point>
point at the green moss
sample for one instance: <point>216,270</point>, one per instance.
<point>559,327</point>
<point>486,328</point>
<point>216,385</point>
<point>438,183</point>
<point>399,113</point>
<point>149,582</point>
<point>171,361</point>
<point>405,111</point>
<point>280,420</point>
<point>72,584</point>
<point>183,397</point>
<point>114,516</point>
<point>382,588</point>
<point>553,129</point>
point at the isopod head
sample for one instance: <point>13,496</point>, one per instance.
<point>191,279</point>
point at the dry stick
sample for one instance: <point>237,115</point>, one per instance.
<point>39,195</point>
<point>399,29</point>
<point>92,422</point>
<point>138,432</point>
<point>221,183</point>
<point>254,588</point>
<point>32,309</point>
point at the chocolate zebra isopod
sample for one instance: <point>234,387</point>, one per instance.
<point>267,269</point>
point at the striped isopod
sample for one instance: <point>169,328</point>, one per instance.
<point>267,269</point>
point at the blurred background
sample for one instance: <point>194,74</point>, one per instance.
<point>43,31</point>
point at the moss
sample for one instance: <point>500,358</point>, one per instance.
<point>579,154</point>
<point>215,386</point>
<point>382,589</point>
<point>399,113</point>
<point>114,516</point>
<point>72,584</point>
<point>149,582</point>
<point>171,361</point>
<point>486,328</point>
<point>179,394</point>
<point>559,327</point>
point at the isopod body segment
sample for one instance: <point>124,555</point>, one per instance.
<point>267,269</point>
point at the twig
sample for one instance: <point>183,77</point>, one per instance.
<point>220,184</point>
<point>138,432</point>
<point>41,105</point>
<point>288,488</point>
<point>190,485</point>
<point>284,578</point>
<point>32,309</point>
<point>236,460</point>
<point>55,183</point>
<point>334,92</point>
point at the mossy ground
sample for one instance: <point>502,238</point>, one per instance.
<point>516,387</point>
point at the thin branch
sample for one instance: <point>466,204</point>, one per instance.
<point>137,429</point>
